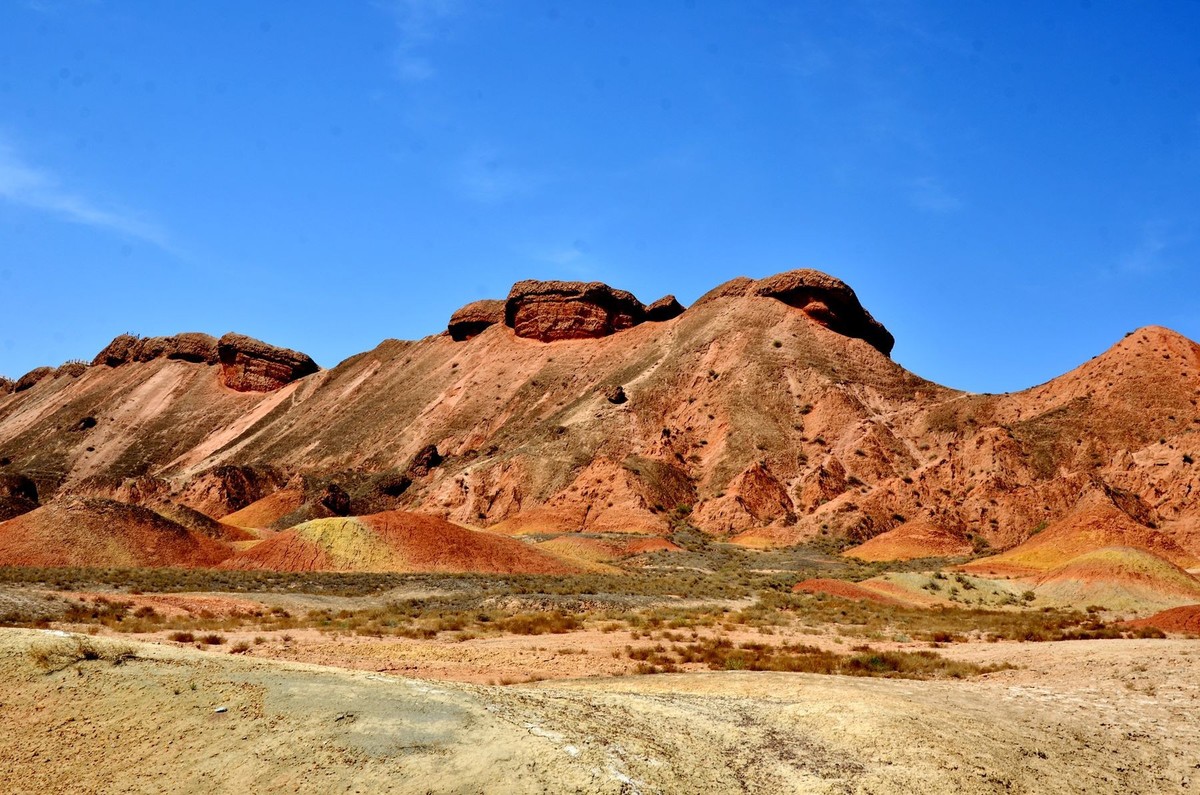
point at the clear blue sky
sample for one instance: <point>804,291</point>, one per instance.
<point>1009,186</point>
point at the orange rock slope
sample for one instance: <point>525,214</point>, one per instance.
<point>395,541</point>
<point>768,412</point>
<point>102,533</point>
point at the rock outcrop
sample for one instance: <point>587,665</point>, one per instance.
<point>249,365</point>
<point>615,394</point>
<point>190,346</point>
<point>474,318</point>
<point>426,459</point>
<point>122,349</point>
<point>829,301</point>
<point>6,385</point>
<point>33,378</point>
<point>18,495</point>
<point>665,308</point>
<point>70,370</point>
<point>551,311</point>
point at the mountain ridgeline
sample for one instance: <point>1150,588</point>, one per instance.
<point>768,413</point>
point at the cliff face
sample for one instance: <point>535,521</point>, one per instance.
<point>768,412</point>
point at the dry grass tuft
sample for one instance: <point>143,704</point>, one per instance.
<point>62,653</point>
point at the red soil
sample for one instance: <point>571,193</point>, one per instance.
<point>265,512</point>
<point>1083,530</point>
<point>395,541</point>
<point>96,532</point>
<point>1177,619</point>
<point>644,545</point>
<point>846,590</point>
<point>920,538</point>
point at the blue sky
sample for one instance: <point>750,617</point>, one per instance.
<point>1009,186</point>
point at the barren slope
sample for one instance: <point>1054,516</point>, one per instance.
<point>296,728</point>
<point>756,414</point>
<point>102,533</point>
<point>395,541</point>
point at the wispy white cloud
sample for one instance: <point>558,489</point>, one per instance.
<point>24,184</point>
<point>418,22</point>
<point>930,195</point>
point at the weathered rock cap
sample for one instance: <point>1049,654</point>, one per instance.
<point>190,346</point>
<point>33,378</point>
<point>554,310</point>
<point>250,365</point>
<point>122,349</point>
<point>665,308</point>
<point>475,317</point>
<point>827,300</point>
<point>6,385</point>
<point>70,370</point>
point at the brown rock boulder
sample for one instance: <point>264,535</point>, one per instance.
<point>823,298</point>
<point>33,378</point>
<point>426,459</point>
<point>190,346</point>
<point>70,370</point>
<point>249,365</point>
<point>829,301</point>
<point>550,311</point>
<point>122,349</point>
<point>6,385</point>
<point>474,318</point>
<point>665,308</point>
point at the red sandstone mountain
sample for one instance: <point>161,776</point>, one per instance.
<point>768,412</point>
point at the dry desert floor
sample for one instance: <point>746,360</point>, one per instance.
<point>1074,716</point>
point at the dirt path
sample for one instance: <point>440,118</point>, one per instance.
<point>151,725</point>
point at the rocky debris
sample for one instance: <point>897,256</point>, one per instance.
<point>615,395</point>
<point>551,311</point>
<point>474,318</point>
<point>18,495</point>
<point>829,301</point>
<point>33,378</point>
<point>249,365</point>
<point>665,308</point>
<point>6,385</point>
<point>424,461</point>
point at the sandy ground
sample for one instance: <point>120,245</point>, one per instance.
<point>1099,716</point>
